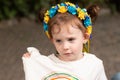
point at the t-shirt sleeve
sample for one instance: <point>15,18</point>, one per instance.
<point>101,74</point>
<point>29,69</point>
<point>37,65</point>
<point>30,65</point>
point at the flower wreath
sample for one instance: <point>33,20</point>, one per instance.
<point>71,8</point>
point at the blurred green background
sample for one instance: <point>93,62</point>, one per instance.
<point>29,8</point>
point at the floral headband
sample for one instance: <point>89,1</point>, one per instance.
<point>71,8</point>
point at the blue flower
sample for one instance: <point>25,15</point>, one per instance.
<point>72,10</point>
<point>62,4</point>
<point>90,36</point>
<point>45,26</point>
<point>56,7</point>
<point>52,12</point>
<point>87,21</point>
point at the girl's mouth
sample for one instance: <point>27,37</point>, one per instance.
<point>67,54</point>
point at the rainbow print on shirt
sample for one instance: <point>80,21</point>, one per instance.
<point>60,76</point>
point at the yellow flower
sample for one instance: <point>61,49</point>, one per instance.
<point>62,9</point>
<point>48,35</point>
<point>71,4</point>
<point>67,3</point>
<point>89,29</point>
<point>81,15</point>
<point>46,19</point>
<point>53,6</point>
<point>78,9</point>
<point>47,13</point>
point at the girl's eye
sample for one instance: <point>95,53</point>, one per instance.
<point>58,40</point>
<point>71,39</point>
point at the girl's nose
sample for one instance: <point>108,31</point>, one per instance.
<point>65,46</point>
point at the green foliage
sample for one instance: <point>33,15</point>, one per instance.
<point>24,8</point>
<point>20,8</point>
<point>84,3</point>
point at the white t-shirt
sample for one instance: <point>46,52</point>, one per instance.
<point>40,67</point>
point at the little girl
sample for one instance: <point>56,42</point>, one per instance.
<point>69,28</point>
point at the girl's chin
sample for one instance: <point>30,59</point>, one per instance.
<point>68,58</point>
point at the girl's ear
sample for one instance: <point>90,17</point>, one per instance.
<point>86,38</point>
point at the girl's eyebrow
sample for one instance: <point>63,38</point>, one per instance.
<point>57,38</point>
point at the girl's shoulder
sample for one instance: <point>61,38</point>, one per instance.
<point>92,58</point>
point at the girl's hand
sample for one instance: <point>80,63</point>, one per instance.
<point>26,55</point>
<point>31,51</point>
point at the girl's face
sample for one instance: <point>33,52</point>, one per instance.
<point>68,41</point>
